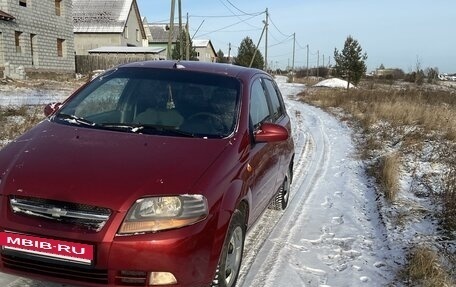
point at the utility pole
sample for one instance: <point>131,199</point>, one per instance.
<point>171,29</point>
<point>307,60</point>
<point>258,45</point>
<point>181,47</point>
<point>266,42</point>
<point>323,60</point>
<point>187,45</point>
<point>318,62</point>
<point>229,53</point>
<point>293,63</point>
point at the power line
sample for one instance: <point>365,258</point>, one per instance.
<point>275,26</point>
<point>282,42</point>
<point>222,16</point>
<point>229,26</point>
<point>300,46</point>
<point>233,31</point>
<point>249,14</point>
<point>234,13</point>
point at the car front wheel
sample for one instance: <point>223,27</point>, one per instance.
<point>231,257</point>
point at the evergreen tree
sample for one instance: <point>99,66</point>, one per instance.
<point>221,57</point>
<point>176,51</point>
<point>245,54</point>
<point>350,62</point>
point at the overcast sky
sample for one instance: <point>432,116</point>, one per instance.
<point>395,33</point>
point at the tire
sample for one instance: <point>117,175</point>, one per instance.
<point>231,257</point>
<point>280,201</point>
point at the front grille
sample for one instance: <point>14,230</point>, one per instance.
<point>31,266</point>
<point>80,215</point>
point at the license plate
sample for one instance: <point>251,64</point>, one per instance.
<point>51,248</point>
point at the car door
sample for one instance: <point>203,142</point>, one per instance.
<point>264,161</point>
<point>280,117</point>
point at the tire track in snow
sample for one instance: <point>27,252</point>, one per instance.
<point>330,233</point>
<point>256,237</point>
<point>314,165</point>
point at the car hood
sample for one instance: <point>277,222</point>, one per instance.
<point>102,168</point>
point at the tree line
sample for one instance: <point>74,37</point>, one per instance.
<point>350,63</point>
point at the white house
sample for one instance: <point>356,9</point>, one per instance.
<point>205,52</point>
<point>106,23</point>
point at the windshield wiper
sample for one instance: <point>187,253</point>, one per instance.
<point>75,119</point>
<point>132,128</point>
<point>147,129</point>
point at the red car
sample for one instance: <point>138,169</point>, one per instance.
<point>148,175</point>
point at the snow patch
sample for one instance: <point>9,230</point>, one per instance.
<point>334,83</point>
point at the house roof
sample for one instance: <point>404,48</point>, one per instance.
<point>102,16</point>
<point>147,29</point>
<point>124,49</point>
<point>203,44</point>
<point>160,32</point>
<point>6,16</point>
<point>200,43</point>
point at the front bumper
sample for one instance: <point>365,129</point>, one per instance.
<point>189,254</point>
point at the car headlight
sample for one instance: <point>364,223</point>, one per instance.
<point>153,214</point>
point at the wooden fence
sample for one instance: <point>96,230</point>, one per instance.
<point>85,64</point>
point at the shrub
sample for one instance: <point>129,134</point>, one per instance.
<point>424,269</point>
<point>389,167</point>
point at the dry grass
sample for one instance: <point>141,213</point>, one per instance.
<point>14,121</point>
<point>448,200</point>
<point>308,81</point>
<point>432,110</point>
<point>389,168</point>
<point>415,123</point>
<point>424,269</point>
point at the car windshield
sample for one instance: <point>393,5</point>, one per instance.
<point>156,101</point>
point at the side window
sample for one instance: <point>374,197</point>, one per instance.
<point>276,103</point>
<point>259,110</point>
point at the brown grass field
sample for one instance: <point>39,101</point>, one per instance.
<point>399,122</point>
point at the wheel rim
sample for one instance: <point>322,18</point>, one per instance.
<point>286,190</point>
<point>233,256</point>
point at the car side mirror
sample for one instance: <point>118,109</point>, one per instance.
<point>269,132</point>
<point>51,108</point>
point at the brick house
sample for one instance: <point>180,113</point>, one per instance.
<point>107,23</point>
<point>36,36</point>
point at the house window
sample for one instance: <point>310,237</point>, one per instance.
<point>23,3</point>
<point>60,47</point>
<point>137,35</point>
<point>17,40</point>
<point>58,7</point>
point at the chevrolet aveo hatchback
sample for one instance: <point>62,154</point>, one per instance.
<point>150,174</point>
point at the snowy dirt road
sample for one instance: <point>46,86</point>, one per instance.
<point>331,233</point>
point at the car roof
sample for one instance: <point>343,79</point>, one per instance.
<point>205,67</point>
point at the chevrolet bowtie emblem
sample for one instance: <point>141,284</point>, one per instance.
<point>56,212</point>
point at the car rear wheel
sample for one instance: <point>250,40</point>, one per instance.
<point>231,257</point>
<point>280,201</point>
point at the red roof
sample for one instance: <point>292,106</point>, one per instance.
<point>5,16</point>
